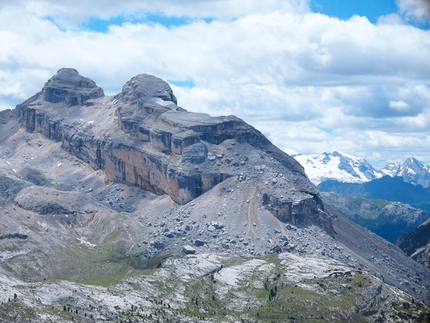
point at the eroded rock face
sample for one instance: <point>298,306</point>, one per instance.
<point>70,88</point>
<point>195,154</point>
<point>65,89</point>
<point>141,137</point>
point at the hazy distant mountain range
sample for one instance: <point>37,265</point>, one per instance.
<point>350,169</point>
<point>387,219</point>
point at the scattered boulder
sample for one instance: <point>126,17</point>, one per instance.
<point>199,243</point>
<point>188,250</point>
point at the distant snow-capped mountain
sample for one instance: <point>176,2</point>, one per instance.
<point>412,171</point>
<point>337,166</point>
<point>391,169</point>
<point>346,168</point>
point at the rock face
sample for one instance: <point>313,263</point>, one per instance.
<point>5,116</point>
<point>141,137</point>
<point>9,188</point>
<point>416,244</point>
<point>65,89</point>
<point>69,88</point>
<point>58,206</point>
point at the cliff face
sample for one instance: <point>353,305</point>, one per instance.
<point>140,136</point>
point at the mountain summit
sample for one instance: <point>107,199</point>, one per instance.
<point>141,137</point>
<point>337,166</point>
<point>132,191</point>
<point>350,169</point>
<point>412,171</point>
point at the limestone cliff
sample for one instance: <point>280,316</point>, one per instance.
<point>142,137</point>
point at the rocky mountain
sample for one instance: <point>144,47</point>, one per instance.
<point>350,169</point>
<point>130,207</point>
<point>391,169</point>
<point>412,171</point>
<point>337,166</point>
<point>387,219</point>
<point>416,244</point>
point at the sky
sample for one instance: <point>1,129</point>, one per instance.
<point>313,75</point>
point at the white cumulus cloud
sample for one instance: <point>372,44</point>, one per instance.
<point>290,72</point>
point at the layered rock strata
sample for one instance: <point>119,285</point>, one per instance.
<point>142,137</point>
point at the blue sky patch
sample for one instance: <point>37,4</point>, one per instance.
<point>52,20</point>
<point>328,130</point>
<point>345,9</point>
<point>183,83</point>
<point>102,26</point>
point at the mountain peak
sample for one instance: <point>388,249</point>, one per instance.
<point>337,165</point>
<point>412,162</point>
<point>349,169</point>
<point>69,87</point>
<point>146,87</point>
<point>141,137</point>
<point>414,172</point>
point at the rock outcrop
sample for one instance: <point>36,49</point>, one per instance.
<point>5,116</point>
<point>141,137</point>
<point>416,244</point>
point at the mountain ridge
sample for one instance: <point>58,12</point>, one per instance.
<point>388,188</point>
<point>96,187</point>
<point>387,219</point>
<point>350,169</point>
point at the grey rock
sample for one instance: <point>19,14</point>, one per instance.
<point>211,156</point>
<point>199,243</point>
<point>5,116</point>
<point>170,235</point>
<point>195,154</point>
<point>188,250</point>
<point>70,88</point>
<point>144,87</point>
<point>151,133</point>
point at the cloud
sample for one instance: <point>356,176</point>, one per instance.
<point>418,10</point>
<point>67,14</point>
<point>399,105</point>
<point>388,101</point>
<point>287,71</point>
